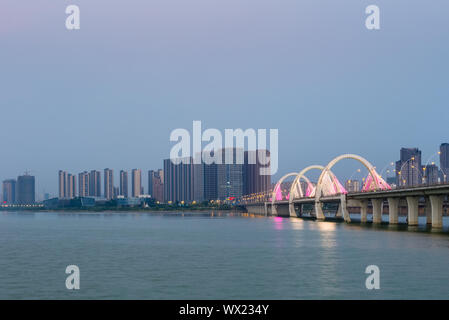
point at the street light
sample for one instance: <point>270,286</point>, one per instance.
<point>386,167</point>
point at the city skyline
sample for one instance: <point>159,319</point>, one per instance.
<point>224,156</point>
<point>341,88</point>
<point>409,170</point>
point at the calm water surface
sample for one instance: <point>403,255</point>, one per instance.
<point>213,256</point>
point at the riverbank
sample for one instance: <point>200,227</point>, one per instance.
<point>128,209</point>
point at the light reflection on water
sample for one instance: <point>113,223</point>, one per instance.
<point>215,255</point>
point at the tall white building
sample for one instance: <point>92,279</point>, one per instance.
<point>136,185</point>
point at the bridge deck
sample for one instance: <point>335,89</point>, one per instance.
<point>439,189</point>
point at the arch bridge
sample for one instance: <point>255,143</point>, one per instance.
<point>329,196</point>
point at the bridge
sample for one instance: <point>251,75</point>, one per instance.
<point>329,196</point>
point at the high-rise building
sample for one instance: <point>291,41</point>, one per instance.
<point>197,185</point>
<point>136,183</point>
<point>25,189</point>
<point>160,172</point>
<point>62,175</point>
<point>236,174</point>
<point>178,180</point>
<point>83,184</point>
<point>352,185</point>
<point>67,185</point>
<point>392,181</point>
<point>108,183</point>
<point>95,183</point>
<point>431,174</point>
<point>158,190</point>
<point>156,185</point>
<point>116,192</point>
<point>409,168</point>
<point>151,178</point>
<point>71,186</point>
<point>124,183</point>
<point>9,191</point>
<point>210,181</point>
<point>444,161</point>
<point>230,174</point>
<point>256,172</point>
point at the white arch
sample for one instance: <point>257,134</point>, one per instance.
<point>278,184</point>
<point>297,181</point>
<point>302,175</point>
<point>366,163</point>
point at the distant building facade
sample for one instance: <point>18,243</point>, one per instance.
<point>178,181</point>
<point>217,181</point>
<point>230,176</point>
<point>25,190</point>
<point>431,174</point>
<point>136,183</point>
<point>444,161</point>
<point>95,183</point>
<point>254,180</point>
<point>83,184</point>
<point>409,167</point>
<point>108,183</point>
<point>210,184</point>
<point>124,183</point>
<point>156,184</point>
<point>352,185</point>
<point>71,186</point>
<point>9,191</point>
<point>67,185</point>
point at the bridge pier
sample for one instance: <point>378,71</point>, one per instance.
<point>437,211</point>
<point>428,210</point>
<point>274,211</point>
<point>265,209</point>
<point>291,209</point>
<point>344,208</point>
<point>339,213</point>
<point>377,210</point>
<point>393,209</point>
<point>412,209</point>
<point>319,211</point>
<point>363,211</point>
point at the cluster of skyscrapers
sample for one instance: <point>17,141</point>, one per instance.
<point>188,181</point>
<point>177,182</point>
<point>225,180</point>
<point>410,170</point>
<point>20,191</point>
<point>90,185</point>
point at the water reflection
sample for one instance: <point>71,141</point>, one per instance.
<point>278,223</point>
<point>165,256</point>
<point>297,224</point>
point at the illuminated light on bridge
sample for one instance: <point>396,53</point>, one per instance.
<point>375,193</point>
<point>278,192</point>
<point>327,185</point>
<point>331,185</point>
<point>370,183</point>
<point>310,192</point>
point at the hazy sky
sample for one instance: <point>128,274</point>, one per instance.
<point>109,94</point>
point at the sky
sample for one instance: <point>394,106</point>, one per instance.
<point>109,94</point>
